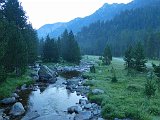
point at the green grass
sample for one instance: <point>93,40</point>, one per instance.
<point>9,86</point>
<point>126,98</point>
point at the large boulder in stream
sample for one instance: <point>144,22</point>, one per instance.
<point>47,75</point>
<point>17,109</point>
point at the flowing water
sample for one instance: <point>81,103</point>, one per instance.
<point>53,100</point>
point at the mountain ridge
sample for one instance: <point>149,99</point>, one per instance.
<point>106,12</point>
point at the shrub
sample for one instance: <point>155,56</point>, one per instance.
<point>96,99</point>
<point>3,75</point>
<point>93,69</point>
<point>114,78</point>
<point>150,88</point>
<point>155,110</point>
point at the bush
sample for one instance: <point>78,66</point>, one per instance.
<point>111,112</point>
<point>150,88</point>
<point>136,114</point>
<point>155,110</point>
<point>3,75</point>
<point>93,69</point>
<point>96,99</point>
<point>114,78</point>
<point>134,87</point>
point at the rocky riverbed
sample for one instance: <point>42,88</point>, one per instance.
<point>52,97</point>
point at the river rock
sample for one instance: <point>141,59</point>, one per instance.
<point>88,106</point>
<point>17,109</point>
<point>73,81</point>
<point>46,74</point>
<point>24,87</point>
<point>83,101</point>
<point>85,115</point>
<point>15,95</point>
<point>97,91</point>
<point>96,112</point>
<point>8,100</point>
<point>75,109</point>
<point>100,119</point>
<point>1,113</point>
<point>31,116</point>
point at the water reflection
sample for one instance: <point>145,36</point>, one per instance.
<point>52,100</point>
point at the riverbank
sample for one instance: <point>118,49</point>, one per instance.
<point>124,99</point>
<point>12,82</point>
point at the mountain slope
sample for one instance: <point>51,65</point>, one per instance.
<point>124,29</point>
<point>106,12</point>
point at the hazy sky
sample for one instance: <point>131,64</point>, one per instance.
<point>42,12</point>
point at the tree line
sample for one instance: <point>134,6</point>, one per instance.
<point>127,28</point>
<point>57,50</point>
<point>18,39</point>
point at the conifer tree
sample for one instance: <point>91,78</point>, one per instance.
<point>107,55</point>
<point>139,57</point>
<point>21,40</point>
<point>128,58</point>
<point>50,50</point>
<point>68,47</point>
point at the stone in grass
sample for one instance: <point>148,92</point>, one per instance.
<point>8,100</point>
<point>97,91</point>
<point>17,109</point>
<point>15,95</point>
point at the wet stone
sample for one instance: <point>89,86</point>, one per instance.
<point>74,109</point>
<point>88,106</point>
<point>97,91</point>
<point>8,100</point>
<point>85,115</point>
<point>15,95</point>
<point>17,109</point>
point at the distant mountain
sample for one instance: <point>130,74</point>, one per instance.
<point>106,12</point>
<point>129,27</point>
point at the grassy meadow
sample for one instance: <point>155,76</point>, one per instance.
<point>126,98</point>
<point>12,82</point>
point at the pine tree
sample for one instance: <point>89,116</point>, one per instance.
<point>14,13</point>
<point>129,57</point>
<point>31,40</point>
<point>139,57</point>
<point>107,55</point>
<point>20,38</point>
<point>50,50</point>
<point>40,47</point>
<point>15,57</point>
<point>73,49</point>
<point>64,45</point>
<point>68,47</point>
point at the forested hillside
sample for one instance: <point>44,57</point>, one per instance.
<point>18,40</point>
<point>141,24</point>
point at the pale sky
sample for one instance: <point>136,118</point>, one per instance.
<point>42,12</point>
